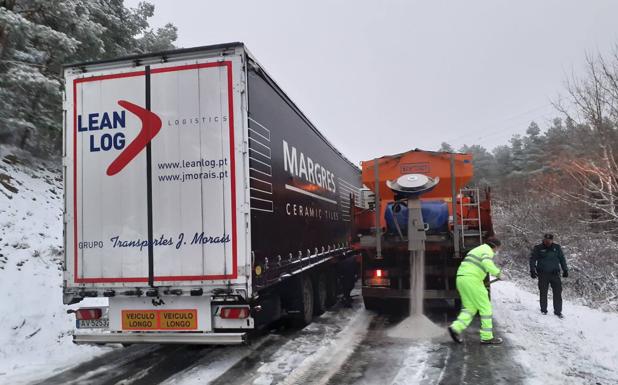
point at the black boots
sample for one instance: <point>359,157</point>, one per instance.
<point>493,341</point>
<point>454,335</point>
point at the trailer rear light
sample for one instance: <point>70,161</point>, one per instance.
<point>234,312</point>
<point>88,314</point>
<point>379,273</point>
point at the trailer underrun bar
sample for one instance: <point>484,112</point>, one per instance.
<point>162,338</point>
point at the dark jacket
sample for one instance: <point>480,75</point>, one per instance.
<point>545,259</point>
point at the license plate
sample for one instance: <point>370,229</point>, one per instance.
<point>102,323</point>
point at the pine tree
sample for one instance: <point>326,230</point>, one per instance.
<point>484,164</point>
<point>38,36</point>
<point>504,161</point>
<point>533,154</point>
<point>517,155</point>
<point>445,147</point>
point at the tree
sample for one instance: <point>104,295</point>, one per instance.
<point>38,36</point>
<point>533,152</point>
<point>595,98</point>
<point>29,88</point>
<point>517,155</point>
<point>445,147</point>
<point>504,161</point>
<point>598,190</point>
<point>484,164</point>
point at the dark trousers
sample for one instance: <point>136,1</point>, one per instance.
<point>553,279</point>
<point>347,272</point>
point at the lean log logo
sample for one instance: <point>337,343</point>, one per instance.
<point>105,133</point>
<point>151,125</point>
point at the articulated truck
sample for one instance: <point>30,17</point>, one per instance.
<point>199,200</point>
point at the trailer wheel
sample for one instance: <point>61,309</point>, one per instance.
<point>306,314</point>
<point>321,294</point>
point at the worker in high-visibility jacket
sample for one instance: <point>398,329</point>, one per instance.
<point>474,296</point>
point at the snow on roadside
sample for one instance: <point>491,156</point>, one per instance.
<point>35,337</point>
<point>582,348</point>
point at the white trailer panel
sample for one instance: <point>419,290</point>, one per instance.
<point>155,152</point>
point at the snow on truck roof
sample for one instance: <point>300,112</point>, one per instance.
<point>216,49</point>
<point>160,54</point>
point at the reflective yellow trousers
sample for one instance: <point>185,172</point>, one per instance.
<point>474,299</point>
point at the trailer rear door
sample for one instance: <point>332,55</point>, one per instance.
<point>155,174</point>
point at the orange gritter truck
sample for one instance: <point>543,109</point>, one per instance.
<point>456,219</point>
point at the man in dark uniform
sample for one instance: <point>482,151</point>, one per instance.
<point>546,260</point>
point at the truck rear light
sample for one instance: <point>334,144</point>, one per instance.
<point>377,277</point>
<point>234,312</point>
<point>87,314</point>
<point>376,273</point>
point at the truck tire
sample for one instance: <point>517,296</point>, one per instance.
<point>306,303</point>
<point>387,305</point>
<point>320,294</point>
<point>373,304</point>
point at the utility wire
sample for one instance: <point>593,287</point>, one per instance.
<point>519,115</point>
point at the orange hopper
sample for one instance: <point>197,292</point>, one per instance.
<point>430,163</point>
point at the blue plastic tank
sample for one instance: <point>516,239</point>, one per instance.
<point>435,215</point>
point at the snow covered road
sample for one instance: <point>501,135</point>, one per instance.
<point>343,346</point>
<point>351,346</point>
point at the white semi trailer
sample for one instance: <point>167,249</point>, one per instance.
<point>198,199</point>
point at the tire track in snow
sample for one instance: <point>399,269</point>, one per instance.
<point>273,364</point>
<point>101,366</point>
<point>444,366</point>
<point>329,358</point>
<point>135,365</point>
<point>213,366</point>
<point>413,366</point>
<point>176,362</point>
<point>377,359</point>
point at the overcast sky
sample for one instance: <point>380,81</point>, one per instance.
<point>380,77</point>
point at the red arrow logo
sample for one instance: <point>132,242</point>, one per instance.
<point>151,125</point>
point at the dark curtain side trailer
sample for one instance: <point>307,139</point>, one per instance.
<point>199,199</point>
